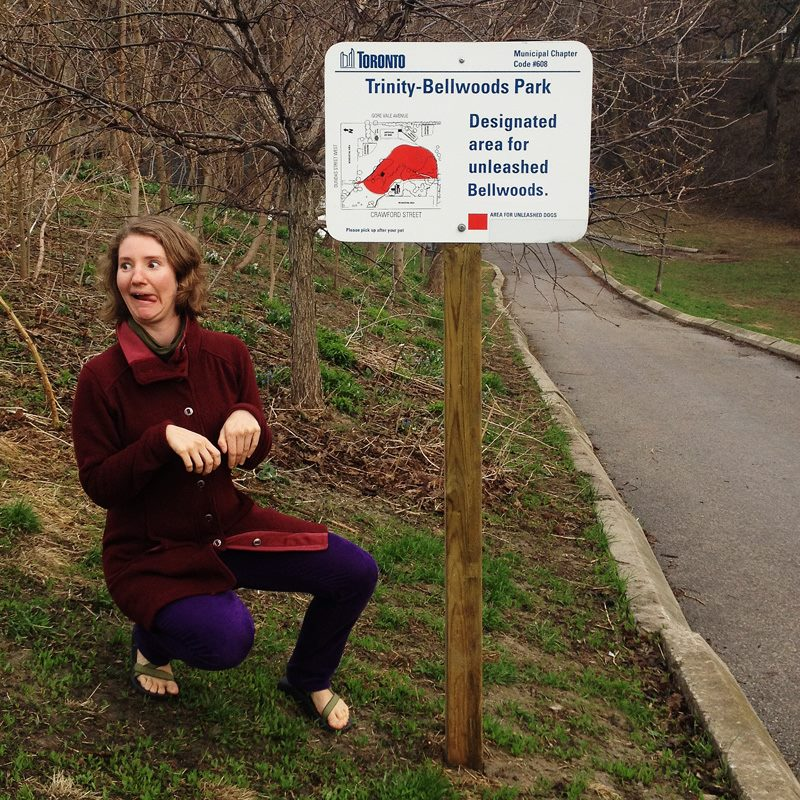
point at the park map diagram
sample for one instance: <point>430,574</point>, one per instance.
<point>390,164</point>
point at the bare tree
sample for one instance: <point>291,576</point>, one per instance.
<point>236,87</point>
<point>656,80</point>
<point>768,30</point>
<point>241,78</point>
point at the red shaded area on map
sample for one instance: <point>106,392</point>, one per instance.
<point>405,163</point>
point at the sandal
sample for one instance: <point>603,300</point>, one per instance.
<point>149,670</point>
<point>306,705</point>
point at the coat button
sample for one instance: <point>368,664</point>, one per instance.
<point>188,411</point>
<point>217,542</point>
<point>209,518</point>
<point>256,542</point>
<point>200,484</point>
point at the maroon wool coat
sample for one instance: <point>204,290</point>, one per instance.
<point>164,525</point>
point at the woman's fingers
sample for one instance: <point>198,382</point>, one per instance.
<point>238,444</point>
<point>239,437</point>
<point>253,442</point>
<point>249,441</point>
<point>234,449</point>
<point>210,459</point>
<point>196,452</point>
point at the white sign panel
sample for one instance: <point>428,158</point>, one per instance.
<point>457,141</point>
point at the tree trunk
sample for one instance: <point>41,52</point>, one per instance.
<point>192,178</point>
<point>267,201</point>
<point>255,245</point>
<point>276,202</point>
<point>304,193</point>
<point>435,282</point>
<point>203,172</point>
<point>22,211</point>
<point>128,144</point>
<point>161,177</point>
<point>398,263</point>
<point>371,253</point>
<point>662,257</point>
<point>131,148</point>
<point>273,243</point>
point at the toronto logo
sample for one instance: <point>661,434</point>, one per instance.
<point>358,59</point>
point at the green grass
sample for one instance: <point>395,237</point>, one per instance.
<point>570,691</point>
<point>19,516</point>
<point>342,390</point>
<point>747,273</point>
<point>239,325</point>
<point>410,556</point>
<point>333,348</point>
<point>386,324</point>
<point>277,311</point>
<point>492,382</point>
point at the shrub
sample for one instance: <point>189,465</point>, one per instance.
<point>323,285</point>
<point>332,348</point>
<point>88,170</point>
<point>219,231</point>
<point>19,516</point>
<point>492,382</point>
<point>343,391</point>
<point>436,408</point>
<point>278,312</point>
<point>237,325</point>
<point>384,322</point>
<point>435,319</point>
<point>272,378</point>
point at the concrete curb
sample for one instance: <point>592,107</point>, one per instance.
<point>762,341</point>
<point>757,768</point>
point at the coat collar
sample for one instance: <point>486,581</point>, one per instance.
<point>146,366</point>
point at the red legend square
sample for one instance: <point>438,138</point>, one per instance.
<point>478,222</point>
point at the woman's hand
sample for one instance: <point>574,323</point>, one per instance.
<point>239,437</point>
<point>196,452</point>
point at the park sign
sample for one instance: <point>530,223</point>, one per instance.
<point>457,141</point>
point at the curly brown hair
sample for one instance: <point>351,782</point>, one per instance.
<point>183,253</point>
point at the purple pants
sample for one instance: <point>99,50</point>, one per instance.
<point>216,631</point>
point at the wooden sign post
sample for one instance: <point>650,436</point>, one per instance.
<point>470,142</point>
<point>463,492</point>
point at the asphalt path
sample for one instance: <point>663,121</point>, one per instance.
<point>701,437</point>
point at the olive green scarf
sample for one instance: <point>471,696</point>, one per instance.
<point>163,351</point>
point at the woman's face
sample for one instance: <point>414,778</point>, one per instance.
<point>147,282</point>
